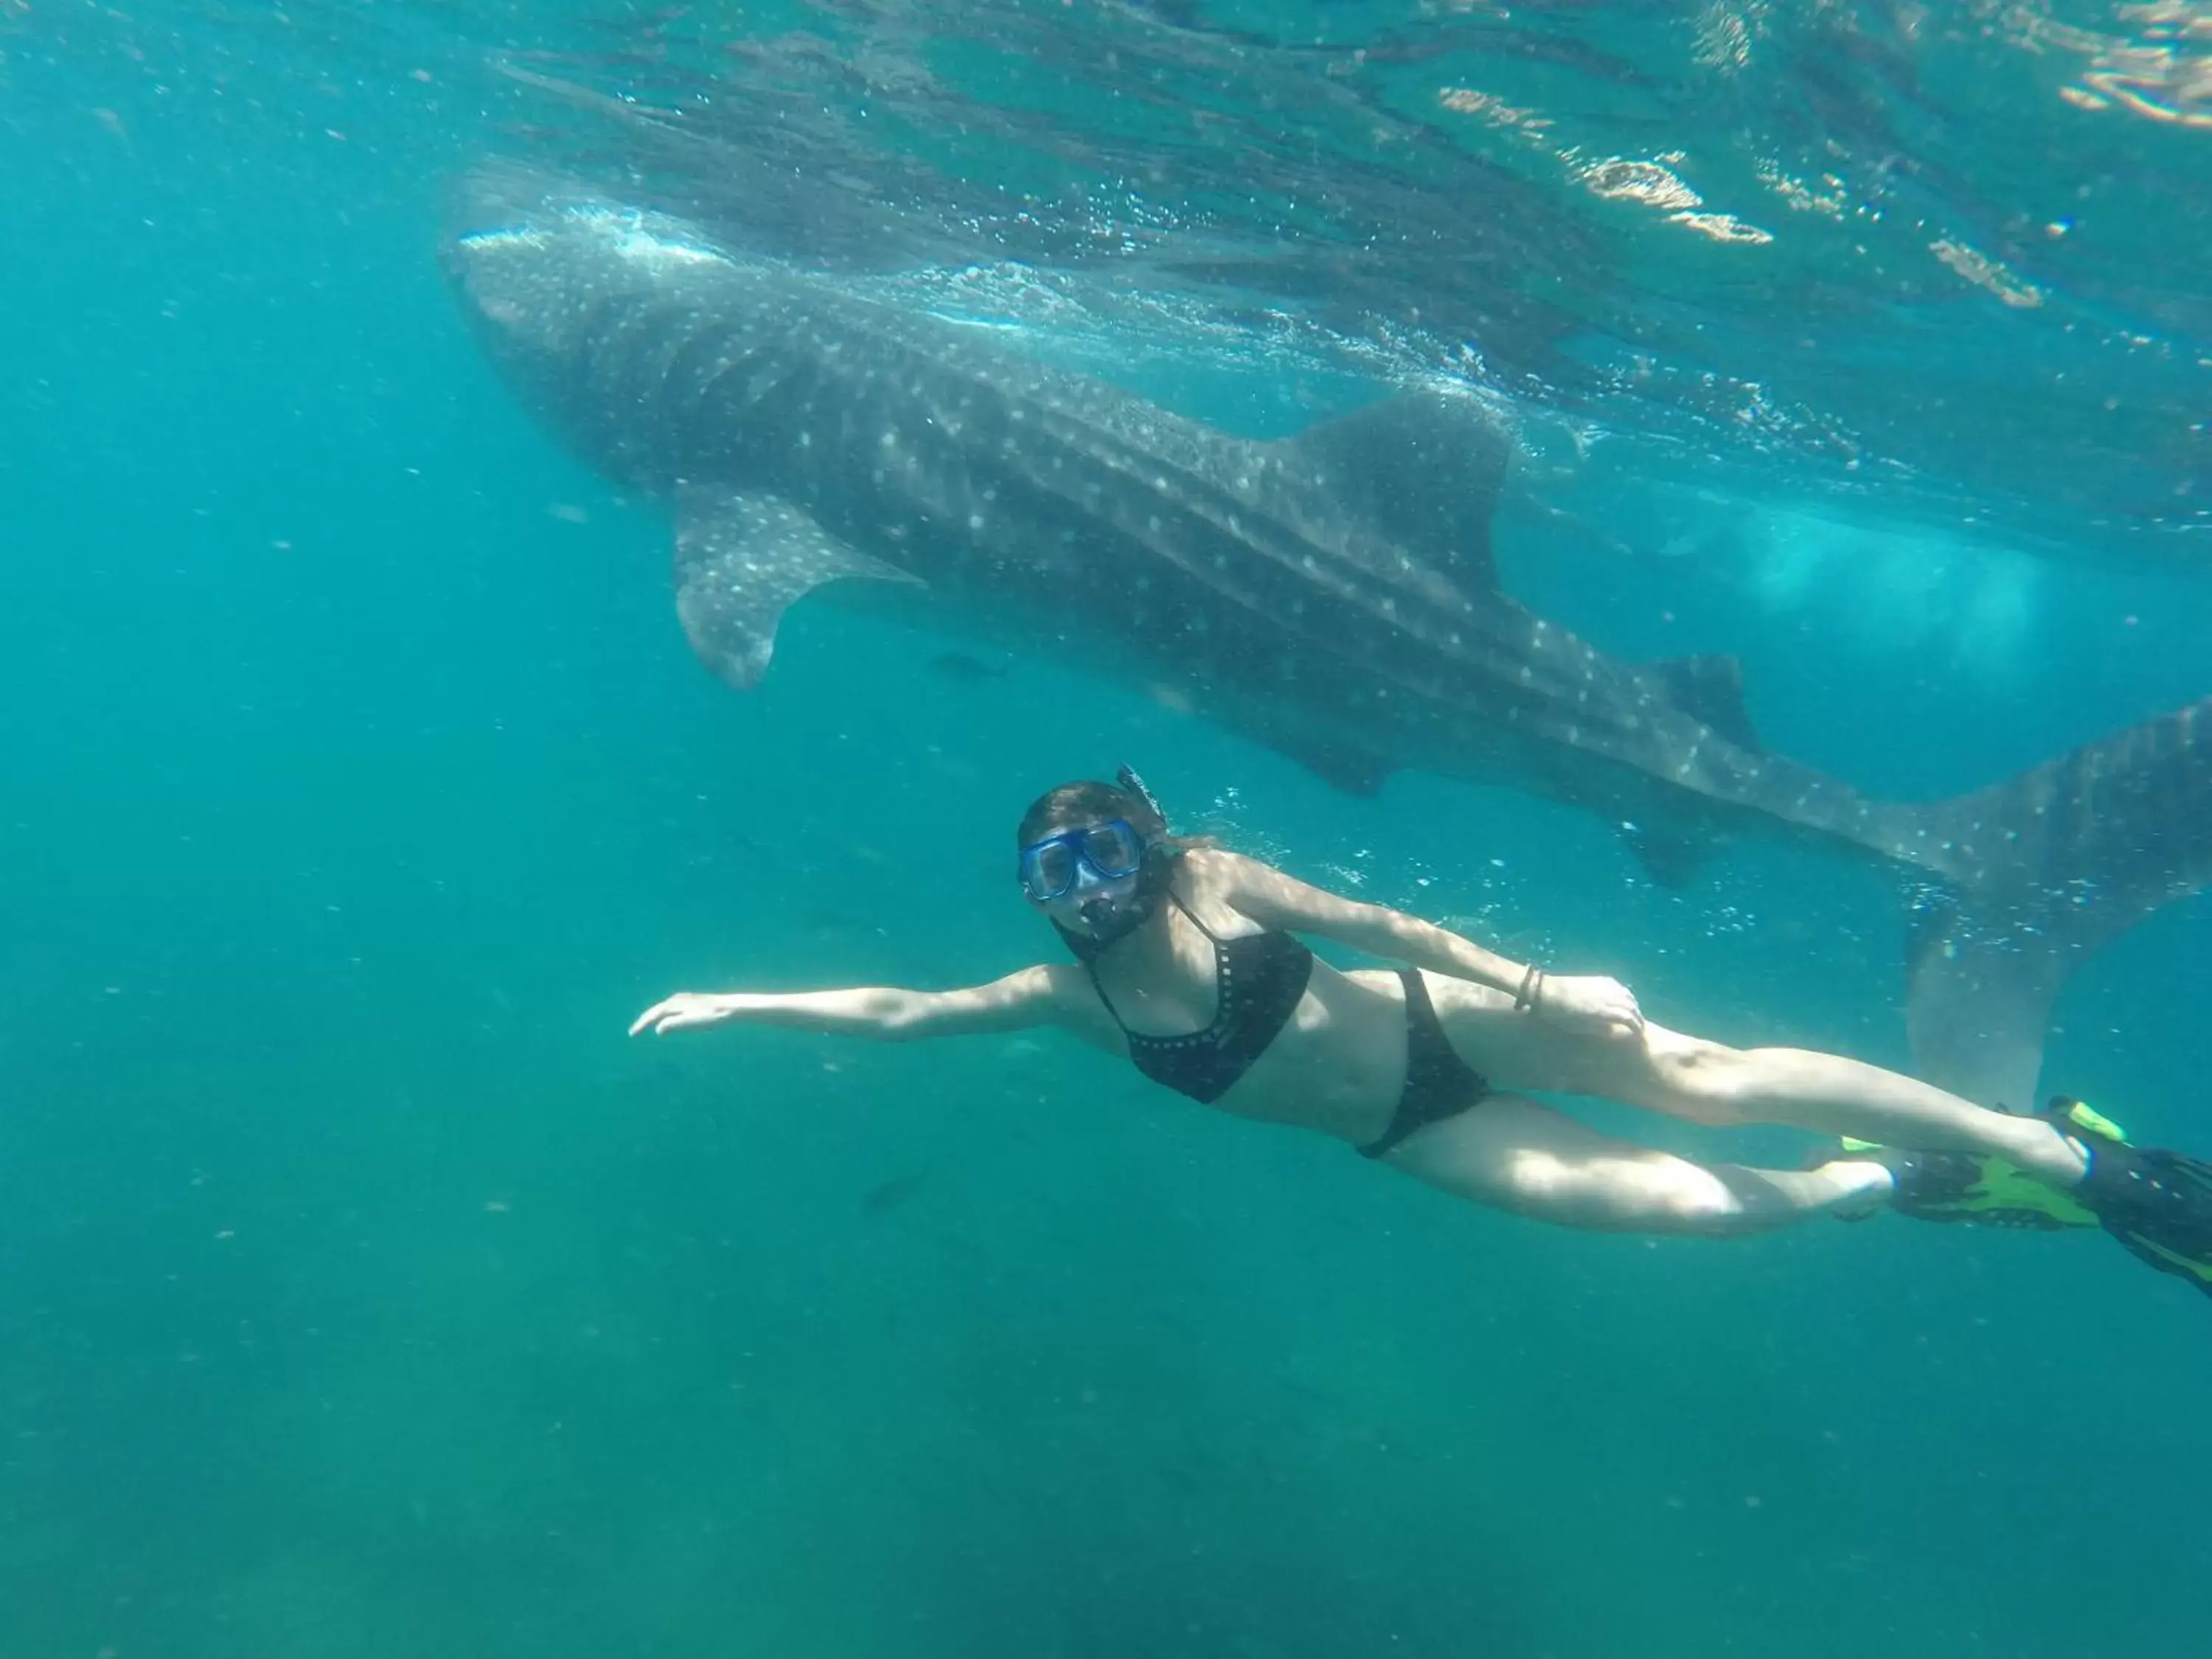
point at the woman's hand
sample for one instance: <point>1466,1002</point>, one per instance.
<point>1588,1002</point>
<point>689,1008</point>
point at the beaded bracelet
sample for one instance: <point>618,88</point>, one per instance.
<point>1532,986</point>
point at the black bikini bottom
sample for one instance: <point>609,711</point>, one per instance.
<point>1439,1082</point>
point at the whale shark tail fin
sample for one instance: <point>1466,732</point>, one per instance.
<point>2042,870</point>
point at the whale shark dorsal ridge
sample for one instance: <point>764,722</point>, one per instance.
<point>743,558</point>
<point>1422,468</point>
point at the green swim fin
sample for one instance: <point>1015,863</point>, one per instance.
<point>1987,1192</point>
<point>2157,1203</point>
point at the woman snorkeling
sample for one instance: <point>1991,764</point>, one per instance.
<point>1188,960</point>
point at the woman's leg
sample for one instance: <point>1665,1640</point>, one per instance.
<point>1828,1094</point>
<point>1688,1077</point>
<point>1514,1154</point>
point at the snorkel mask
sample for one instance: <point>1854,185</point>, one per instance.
<point>1113,870</point>
<point>1059,865</point>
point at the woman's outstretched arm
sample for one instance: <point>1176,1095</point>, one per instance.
<point>1275,900</point>
<point>1039,995</point>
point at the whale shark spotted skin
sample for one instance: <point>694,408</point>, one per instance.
<point>1332,594</point>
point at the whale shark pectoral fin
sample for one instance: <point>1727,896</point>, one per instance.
<point>1351,770</point>
<point>744,558</point>
<point>1709,687</point>
<point>1423,470</point>
<point>1341,765</point>
<point>1671,855</point>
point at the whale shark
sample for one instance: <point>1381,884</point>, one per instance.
<point>1332,595</point>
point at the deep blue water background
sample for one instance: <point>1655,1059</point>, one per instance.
<point>364,1292</point>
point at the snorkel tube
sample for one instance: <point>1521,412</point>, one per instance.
<point>1133,785</point>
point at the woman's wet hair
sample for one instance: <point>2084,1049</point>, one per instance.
<point>1077,805</point>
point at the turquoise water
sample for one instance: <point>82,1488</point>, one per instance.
<point>364,1292</point>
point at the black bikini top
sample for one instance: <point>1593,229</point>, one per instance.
<point>1258,979</point>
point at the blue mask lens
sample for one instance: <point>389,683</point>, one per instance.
<point>1113,850</point>
<point>1049,868</point>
